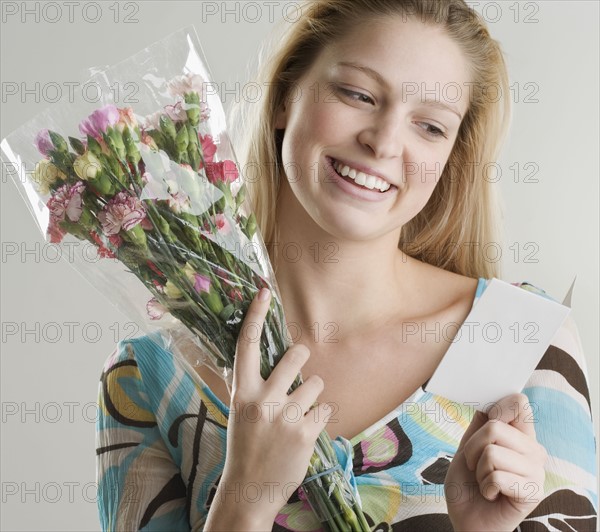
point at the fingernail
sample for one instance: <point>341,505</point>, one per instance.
<point>263,295</point>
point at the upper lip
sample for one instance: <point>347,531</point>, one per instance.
<point>363,168</point>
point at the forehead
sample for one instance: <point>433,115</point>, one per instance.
<point>407,53</point>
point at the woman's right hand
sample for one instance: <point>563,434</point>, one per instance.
<point>270,438</point>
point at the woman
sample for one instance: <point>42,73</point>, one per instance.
<point>382,194</point>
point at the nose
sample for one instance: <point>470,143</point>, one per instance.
<point>383,136</point>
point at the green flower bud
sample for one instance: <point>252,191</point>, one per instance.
<point>240,197</point>
<point>86,219</point>
<point>133,154</point>
<point>167,126</point>
<point>158,138</point>
<point>193,112</point>
<point>114,141</point>
<point>137,235</point>
<point>182,139</point>
<point>94,145</point>
<point>103,185</point>
<point>77,145</point>
<point>213,301</point>
<point>59,143</point>
<point>227,312</point>
<point>194,158</point>
<point>251,226</point>
<point>193,135</point>
<point>162,225</point>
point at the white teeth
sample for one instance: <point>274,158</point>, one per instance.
<point>369,181</point>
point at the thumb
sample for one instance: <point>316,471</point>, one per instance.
<point>478,421</point>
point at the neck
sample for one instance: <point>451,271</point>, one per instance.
<point>331,284</point>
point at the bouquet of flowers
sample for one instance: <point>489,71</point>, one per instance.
<point>156,191</point>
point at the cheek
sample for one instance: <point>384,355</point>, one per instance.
<point>314,122</point>
<point>424,168</point>
<point>420,182</point>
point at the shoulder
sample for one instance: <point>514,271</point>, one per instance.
<point>142,367</point>
<point>530,287</point>
<point>132,351</point>
<point>563,366</point>
<point>438,289</point>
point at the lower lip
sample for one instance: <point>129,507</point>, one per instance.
<point>356,190</point>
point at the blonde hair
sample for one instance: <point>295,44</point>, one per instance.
<point>462,217</point>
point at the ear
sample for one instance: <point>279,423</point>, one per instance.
<point>281,116</point>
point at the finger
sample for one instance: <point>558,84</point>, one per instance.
<point>306,394</point>
<point>505,436</point>
<point>516,410</point>
<point>515,487</point>
<point>246,363</point>
<point>286,370</point>
<point>479,420</point>
<point>316,420</point>
<point>498,458</point>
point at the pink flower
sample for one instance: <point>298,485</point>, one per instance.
<point>124,211</point>
<point>180,85</point>
<point>151,121</point>
<point>220,222</point>
<point>126,118</point>
<point>43,142</point>
<point>147,224</point>
<point>179,202</point>
<point>201,283</point>
<point>103,250</point>
<point>225,171</point>
<point>155,309</point>
<point>66,201</point>
<point>149,141</point>
<point>208,148</point>
<point>55,232</point>
<point>176,112</point>
<point>153,188</point>
<point>159,287</point>
<point>99,121</point>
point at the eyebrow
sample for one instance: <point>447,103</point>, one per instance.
<point>383,82</point>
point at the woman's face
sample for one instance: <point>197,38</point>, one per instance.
<point>374,116</point>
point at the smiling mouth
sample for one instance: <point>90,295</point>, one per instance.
<point>364,178</point>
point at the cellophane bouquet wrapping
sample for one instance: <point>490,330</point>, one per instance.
<point>142,182</point>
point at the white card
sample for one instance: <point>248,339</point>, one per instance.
<point>498,346</point>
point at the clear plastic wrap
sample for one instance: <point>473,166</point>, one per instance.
<point>143,184</point>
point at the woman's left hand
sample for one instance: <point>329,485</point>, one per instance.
<point>497,476</point>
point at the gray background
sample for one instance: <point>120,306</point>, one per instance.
<point>49,388</point>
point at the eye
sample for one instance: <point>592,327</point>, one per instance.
<point>434,131</point>
<point>353,95</point>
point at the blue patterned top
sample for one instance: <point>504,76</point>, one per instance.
<point>161,444</point>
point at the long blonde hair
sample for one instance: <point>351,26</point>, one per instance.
<point>462,218</point>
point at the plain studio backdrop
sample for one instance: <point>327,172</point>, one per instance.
<point>549,185</point>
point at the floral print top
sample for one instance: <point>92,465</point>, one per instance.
<point>161,444</point>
